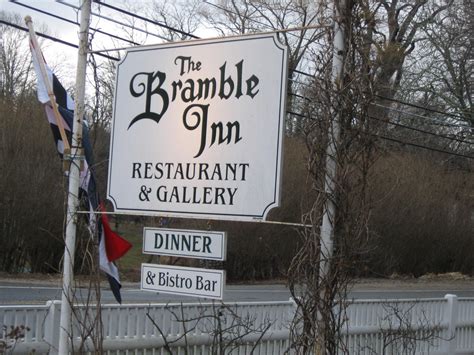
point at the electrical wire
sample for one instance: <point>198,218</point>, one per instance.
<point>100,2</point>
<point>422,146</point>
<point>423,131</point>
<point>459,118</point>
<point>454,117</point>
<point>193,36</point>
<point>299,96</point>
<point>298,82</point>
<point>296,95</point>
<point>282,30</point>
<point>114,21</point>
<point>402,126</point>
<point>296,114</point>
<point>72,22</point>
<point>302,73</point>
<point>437,122</point>
<point>184,32</point>
<point>404,142</point>
<point>405,127</point>
<point>294,70</point>
<point>266,25</point>
<point>145,19</point>
<point>54,39</point>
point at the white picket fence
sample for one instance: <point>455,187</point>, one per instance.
<point>409,326</point>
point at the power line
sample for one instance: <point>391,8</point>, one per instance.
<point>72,22</point>
<point>422,131</point>
<point>266,25</point>
<point>404,142</point>
<point>146,19</point>
<point>290,112</point>
<point>227,10</point>
<point>459,118</point>
<point>298,82</point>
<point>402,126</point>
<point>100,2</point>
<point>296,95</point>
<point>296,114</point>
<point>115,21</point>
<point>422,146</point>
<point>438,122</point>
<point>302,73</point>
<point>188,34</point>
<point>53,38</point>
<point>299,96</point>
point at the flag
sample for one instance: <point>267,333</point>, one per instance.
<point>111,245</point>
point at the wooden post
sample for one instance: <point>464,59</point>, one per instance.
<point>49,85</point>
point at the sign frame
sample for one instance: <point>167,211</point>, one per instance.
<point>267,172</point>
<point>216,278</point>
<point>208,238</point>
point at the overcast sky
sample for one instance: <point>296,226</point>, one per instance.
<point>56,27</point>
<point>63,58</point>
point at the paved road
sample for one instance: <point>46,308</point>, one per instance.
<point>12,292</point>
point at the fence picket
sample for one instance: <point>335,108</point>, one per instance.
<point>129,330</point>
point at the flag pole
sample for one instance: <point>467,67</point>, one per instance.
<point>65,329</point>
<point>49,86</point>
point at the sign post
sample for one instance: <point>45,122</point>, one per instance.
<point>65,329</point>
<point>198,128</point>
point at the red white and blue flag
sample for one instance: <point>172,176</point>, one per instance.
<point>111,245</point>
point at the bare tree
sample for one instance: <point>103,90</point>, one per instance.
<point>179,18</point>
<point>31,221</point>
<point>15,62</point>
<point>386,34</point>
<point>389,33</point>
<point>10,336</point>
<point>445,72</point>
<point>321,296</point>
<point>404,329</point>
<point>380,36</point>
<point>241,17</point>
<point>228,330</point>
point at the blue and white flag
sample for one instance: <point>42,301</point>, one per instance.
<point>111,245</point>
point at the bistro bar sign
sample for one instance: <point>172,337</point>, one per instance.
<point>198,127</point>
<point>185,281</point>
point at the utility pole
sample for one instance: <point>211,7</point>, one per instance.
<point>329,213</point>
<point>65,330</point>
<point>327,225</point>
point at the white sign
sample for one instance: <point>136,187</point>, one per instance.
<point>184,243</point>
<point>180,280</point>
<point>198,127</point>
